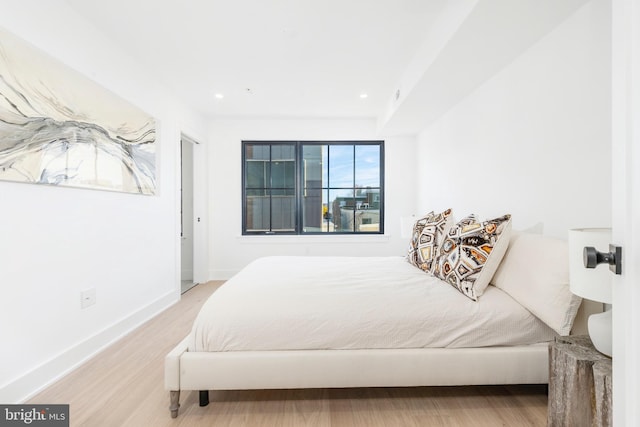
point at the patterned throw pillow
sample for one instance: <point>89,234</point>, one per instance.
<point>428,234</point>
<point>471,254</point>
<point>418,226</point>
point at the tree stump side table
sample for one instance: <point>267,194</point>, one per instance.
<point>579,384</point>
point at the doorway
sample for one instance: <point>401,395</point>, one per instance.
<point>187,214</point>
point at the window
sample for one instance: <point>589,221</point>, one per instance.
<point>312,187</point>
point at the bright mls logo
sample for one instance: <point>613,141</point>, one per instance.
<point>34,415</point>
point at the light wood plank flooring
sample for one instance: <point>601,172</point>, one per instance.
<point>123,386</point>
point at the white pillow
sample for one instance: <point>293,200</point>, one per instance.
<point>535,272</point>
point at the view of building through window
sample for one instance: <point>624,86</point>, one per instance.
<point>312,187</point>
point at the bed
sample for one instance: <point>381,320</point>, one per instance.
<point>335,322</point>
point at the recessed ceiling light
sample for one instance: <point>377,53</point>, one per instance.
<point>363,95</point>
<point>219,95</point>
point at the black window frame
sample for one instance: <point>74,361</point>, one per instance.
<point>298,190</point>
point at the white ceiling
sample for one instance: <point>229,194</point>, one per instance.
<point>313,58</point>
<point>271,58</point>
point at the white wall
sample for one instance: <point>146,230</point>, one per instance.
<point>229,251</point>
<point>57,242</point>
<point>534,140</point>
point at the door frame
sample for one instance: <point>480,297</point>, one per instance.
<point>200,209</point>
<point>625,150</point>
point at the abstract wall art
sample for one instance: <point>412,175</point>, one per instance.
<point>58,127</point>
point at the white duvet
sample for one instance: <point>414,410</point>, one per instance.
<point>303,303</point>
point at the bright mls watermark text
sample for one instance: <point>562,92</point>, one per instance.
<point>34,415</point>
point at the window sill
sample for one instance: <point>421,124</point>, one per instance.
<point>297,239</point>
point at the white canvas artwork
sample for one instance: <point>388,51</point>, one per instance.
<point>57,127</point>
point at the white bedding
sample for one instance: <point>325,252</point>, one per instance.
<point>306,303</point>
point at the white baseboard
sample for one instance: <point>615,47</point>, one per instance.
<point>28,385</point>
<point>221,274</point>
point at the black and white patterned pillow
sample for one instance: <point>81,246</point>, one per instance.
<point>470,254</point>
<point>428,234</point>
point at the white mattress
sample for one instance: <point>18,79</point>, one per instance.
<point>304,303</point>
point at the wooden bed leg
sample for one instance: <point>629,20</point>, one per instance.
<point>204,397</point>
<point>175,403</point>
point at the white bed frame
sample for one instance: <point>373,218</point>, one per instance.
<point>244,370</point>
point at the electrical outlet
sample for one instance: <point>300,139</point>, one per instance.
<point>87,298</point>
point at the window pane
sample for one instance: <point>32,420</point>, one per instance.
<point>367,166</point>
<point>367,216</point>
<point>283,209</point>
<point>341,207</point>
<point>256,174</point>
<point>340,166</point>
<point>283,174</point>
<point>314,213</point>
<point>257,151</point>
<point>314,165</point>
<point>283,152</point>
<point>258,211</point>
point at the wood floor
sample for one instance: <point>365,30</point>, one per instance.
<point>123,386</point>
